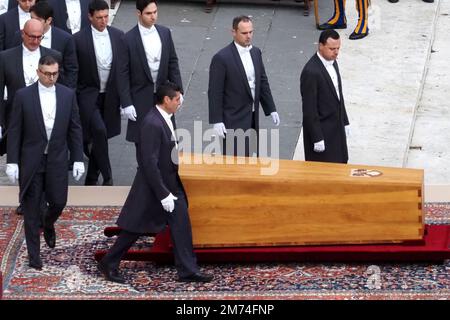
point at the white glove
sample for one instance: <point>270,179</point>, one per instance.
<point>347,131</point>
<point>78,170</point>
<point>168,202</point>
<point>130,113</point>
<point>319,146</point>
<point>12,171</point>
<point>220,129</point>
<point>275,118</point>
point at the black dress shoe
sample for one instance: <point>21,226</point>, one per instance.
<point>428,1</point>
<point>110,274</point>
<point>393,1</point>
<point>327,26</point>
<point>19,210</point>
<point>35,264</point>
<point>357,36</point>
<point>50,236</point>
<point>88,182</point>
<point>108,182</point>
<point>196,277</point>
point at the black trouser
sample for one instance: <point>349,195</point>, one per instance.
<point>181,234</point>
<point>31,203</point>
<point>98,154</point>
<point>243,148</point>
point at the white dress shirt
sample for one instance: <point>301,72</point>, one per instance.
<point>4,6</point>
<point>23,17</point>
<point>47,39</point>
<point>30,60</point>
<point>74,14</point>
<point>152,46</point>
<point>167,117</point>
<point>103,55</point>
<point>244,53</point>
<point>47,98</point>
<point>332,72</point>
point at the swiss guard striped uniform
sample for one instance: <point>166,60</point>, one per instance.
<point>339,21</point>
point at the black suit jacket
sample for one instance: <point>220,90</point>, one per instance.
<point>60,15</point>
<point>141,82</point>
<point>324,114</point>
<point>28,139</point>
<point>11,76</point>
<point>229,94</point>
<point>157,176</point>
<point>88,86</point>
<point>64,44</point>
<point>9,25</point>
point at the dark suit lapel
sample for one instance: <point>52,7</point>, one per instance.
<point>141,52</point>
<point>335,65</point>
<point>54,40</point>
<point>38,110</point>
<point>90,47</point>
<point>326,76</point>
<point>19,65</point>
<point>164,124</point>
<point>84,4</point>
<point>237,59</point>
<point>59,110</point>
<point>164,50</point>
<point>115,55</point>
<point>257,70</point>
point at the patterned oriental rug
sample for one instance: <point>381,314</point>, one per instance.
<point>70,269</point>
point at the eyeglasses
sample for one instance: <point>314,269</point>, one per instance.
<point>39,38</point>
<point>49,74</point>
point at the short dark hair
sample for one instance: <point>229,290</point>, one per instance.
<point>330,33</point>
<point>47,61</point>
<point>142,4</point>
<point>97,5</point>
<point>167,89</point>
<point>42,9</point>
<point>240,19</point>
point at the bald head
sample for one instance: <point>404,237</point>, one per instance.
<point>32,34</point>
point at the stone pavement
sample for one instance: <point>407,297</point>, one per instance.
<point>393,85</point>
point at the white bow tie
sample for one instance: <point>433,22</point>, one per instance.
<point>50,90</point>
<point>245,49</point>
<point>97,33</point>
<point>147,31</point>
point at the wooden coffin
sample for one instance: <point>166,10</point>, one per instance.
<point>232,204</point>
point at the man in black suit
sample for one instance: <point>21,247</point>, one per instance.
<point>325,121</point>
<point>18,67</point>
<point>45,126</point>
<point>6,5</point>
<point>58,40</point>
<point>237,85</point>
<point>70,15</point>
<point>102,88</point>
<point>13,21</point>
<point>152,61</point>
<point>157,196</point>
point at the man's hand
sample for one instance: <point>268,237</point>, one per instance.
<point>12,171</point>
<point>168,202</point>
<point>275,118</point>
<point>220,129</point>
<point>130,113</point>
<point>319,146</point>
<point>78,170</point>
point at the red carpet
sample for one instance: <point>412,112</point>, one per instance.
<point>434,247</point>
